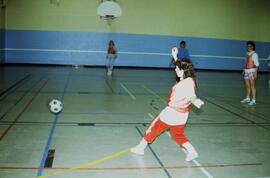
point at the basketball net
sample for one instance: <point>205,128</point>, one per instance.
<point>108,18</point>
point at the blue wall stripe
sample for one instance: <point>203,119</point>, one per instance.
<point>2,45</point>
<point>131,48</point>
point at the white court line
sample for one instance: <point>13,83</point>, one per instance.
<point>151,116</point>
<point>56,50</point>
<point>120,52</point>
<point>130,94</point>
<point>195,162</point>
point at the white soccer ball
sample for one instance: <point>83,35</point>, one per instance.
<point>55,106</point>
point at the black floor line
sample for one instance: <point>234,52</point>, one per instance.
<point>74,92</point>
<point>233,97</point>
<point>3,134</point>
<point>254,113</point>
<point>159,161</point>
<point>14,90</point>
<point>89,93</point>
<point>49,159</point>
<point>108,84</point>
<point>16,83</point>
<point>74,123</point>
<point>259,115</point>
<point>141,124</point>
<point>236,114</point>
<point>25,93</point>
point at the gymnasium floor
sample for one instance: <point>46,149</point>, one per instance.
<point>105,116</point>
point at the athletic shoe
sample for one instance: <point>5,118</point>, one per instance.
<point>137,150</point>
<point>246,100</point>
<point>252,103</point>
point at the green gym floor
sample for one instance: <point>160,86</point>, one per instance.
<point>105,116</point>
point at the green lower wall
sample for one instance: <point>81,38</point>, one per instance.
<point>225,19</point>
<point>2,18</point>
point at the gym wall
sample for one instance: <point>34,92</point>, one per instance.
<point>42,32</point>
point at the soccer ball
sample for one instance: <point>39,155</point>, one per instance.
<point>55,106</point>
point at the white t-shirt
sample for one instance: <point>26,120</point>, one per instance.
<point>179,99</point>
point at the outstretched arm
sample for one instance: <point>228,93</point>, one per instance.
<point>174,53</point>
<point>197,102</point>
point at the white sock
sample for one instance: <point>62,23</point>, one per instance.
<point>143,143</point>
<point>192,153</point>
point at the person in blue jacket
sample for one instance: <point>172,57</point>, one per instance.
<point>183,52</point>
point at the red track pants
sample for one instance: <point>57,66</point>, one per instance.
<point>157,127</point>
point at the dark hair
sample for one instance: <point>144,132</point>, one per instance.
<point>111,42</point>
<point>183,42</point>
<point>252,44</point>
<point>186,65</point>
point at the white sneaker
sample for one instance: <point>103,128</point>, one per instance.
<point>252,103</point>
<point>137,150</point>
<point>109,72</point>
<point>246,100</point>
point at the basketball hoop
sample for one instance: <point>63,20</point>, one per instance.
<point>109,10</point>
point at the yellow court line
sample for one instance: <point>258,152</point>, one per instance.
<point>87,164</point>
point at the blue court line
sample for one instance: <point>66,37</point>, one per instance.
<point>45,153</point>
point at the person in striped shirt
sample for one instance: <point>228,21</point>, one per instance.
<point>250,73</point>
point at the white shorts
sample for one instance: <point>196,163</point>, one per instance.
<point>172,117</point>
<point>249,74</point>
